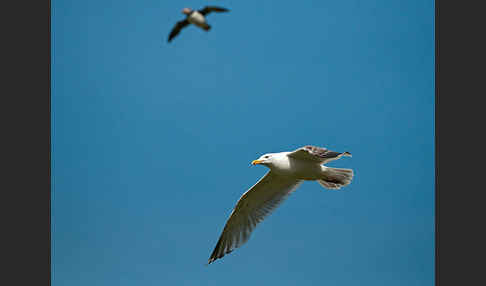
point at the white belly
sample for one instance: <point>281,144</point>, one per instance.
<point>197,19</point>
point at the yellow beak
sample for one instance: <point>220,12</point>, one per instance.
<point>255,162</point>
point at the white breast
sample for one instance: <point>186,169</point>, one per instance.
<point>303,170</point>
<point>197,19</point>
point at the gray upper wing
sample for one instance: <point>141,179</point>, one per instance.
<point>317,154</point>
<point>252,207</point>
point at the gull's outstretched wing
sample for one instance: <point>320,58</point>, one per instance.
<point>177,28</point>
<point>252,207</point>
<point>208,9</point>
<point>317,154</point>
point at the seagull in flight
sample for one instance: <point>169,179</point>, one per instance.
<point>287,171</point>
<point>195,17</point>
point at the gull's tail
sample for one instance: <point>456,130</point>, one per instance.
<point>206,27</point>
<point>335,178</point>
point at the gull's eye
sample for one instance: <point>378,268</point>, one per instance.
<point>266,157</point>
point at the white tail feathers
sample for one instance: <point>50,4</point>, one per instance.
<point>335,178</point>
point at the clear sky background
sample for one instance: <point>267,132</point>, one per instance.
<point>152,142</point>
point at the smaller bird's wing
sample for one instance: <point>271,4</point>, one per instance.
<point>317,154</point>
<point>252,207</point>
<point>177,28</point>
<point>208,9</point>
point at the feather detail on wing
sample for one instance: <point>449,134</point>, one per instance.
<point>317,154</point>
<point>252,208</point>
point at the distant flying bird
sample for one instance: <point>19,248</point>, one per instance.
<point>287,171</point>
<point>195,17</point>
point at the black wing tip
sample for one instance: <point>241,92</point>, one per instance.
<point>214,255</point>
<point>347,154</point>
<point>213,258</point>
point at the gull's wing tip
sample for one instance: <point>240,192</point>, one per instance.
<point>347,154</point>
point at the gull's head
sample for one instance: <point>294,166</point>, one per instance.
<point>265,160</point>
<point>186,11</point>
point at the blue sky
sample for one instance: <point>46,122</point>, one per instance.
<point>152,142</point>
